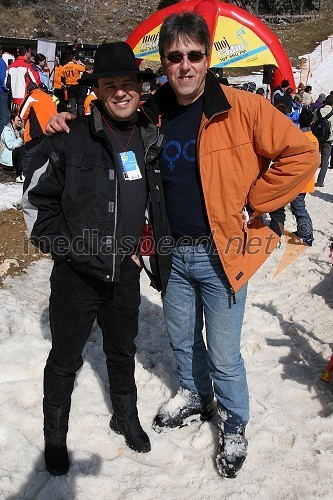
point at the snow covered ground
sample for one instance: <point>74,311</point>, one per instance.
<point>287,341</point>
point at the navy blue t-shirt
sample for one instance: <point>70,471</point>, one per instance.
<point>184,200</point>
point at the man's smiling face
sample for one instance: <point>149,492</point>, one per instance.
<point>119,95</point>
<point>186,78</point>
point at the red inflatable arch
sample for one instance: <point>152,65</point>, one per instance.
<point>239,39</point>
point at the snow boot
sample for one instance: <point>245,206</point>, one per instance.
<point>231,453</point>
<point>55,432</point>
<point>125,421</point>
<point>184,408</point>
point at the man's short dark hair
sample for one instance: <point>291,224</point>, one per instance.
<point>285,83</point>
<point>281,107</point>
<point>21,50</point>
<point>305,118</point>
<point>185,26</point>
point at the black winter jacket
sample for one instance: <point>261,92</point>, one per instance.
<point>70,199</point>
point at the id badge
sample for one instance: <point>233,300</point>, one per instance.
<point>129,166</point>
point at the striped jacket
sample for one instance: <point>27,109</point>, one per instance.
<point>36,110</point>
<point>20,73</point>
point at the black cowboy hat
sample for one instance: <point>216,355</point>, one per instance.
<point>116,59</point>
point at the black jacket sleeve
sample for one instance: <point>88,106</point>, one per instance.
<point>42,194</point>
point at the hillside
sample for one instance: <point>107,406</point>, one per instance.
<point>97,21</point>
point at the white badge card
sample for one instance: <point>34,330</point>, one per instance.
<point>129,166</point>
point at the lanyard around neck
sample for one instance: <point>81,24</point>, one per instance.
<point>117,138</point>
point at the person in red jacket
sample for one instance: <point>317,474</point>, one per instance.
<point>19,74</point>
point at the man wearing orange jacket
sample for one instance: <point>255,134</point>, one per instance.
<point>75,90</point>
<point>35,111</point>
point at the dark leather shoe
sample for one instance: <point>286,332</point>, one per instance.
<point>56,459</point>
<point>135,436</point>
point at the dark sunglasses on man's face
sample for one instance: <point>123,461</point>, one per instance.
<point>193,56</point>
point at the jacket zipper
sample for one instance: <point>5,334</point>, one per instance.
<point>115,226</point>
<point>157,188</point>
<point>232,291</point>
<point>115,213</point>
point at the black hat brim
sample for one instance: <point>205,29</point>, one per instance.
<point>145,76</point>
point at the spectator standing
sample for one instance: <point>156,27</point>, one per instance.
<point>59,84</point>
<point>40,65</point>
<point>307,97</point>
<point>318,102</point>
<point>4,110</point>
<point>19,74</point>
<point>75,90</point>
<point>287,99</point>
<point>87,103</point>
<point>35,111</point>
<point>8,57</point>
<point>325,147</point>
<point>296,109</point>
<point>300,90</point>
<point>280,91</point>
<point>298,206</point>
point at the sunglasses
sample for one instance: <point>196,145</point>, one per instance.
<point>193,56</point>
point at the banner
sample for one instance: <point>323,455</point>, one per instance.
<point>49,50</point>
<point>147,48</point>
<point>235,45</point>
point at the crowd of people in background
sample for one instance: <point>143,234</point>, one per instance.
<point>66,90</point>
<point>30,94</point>
<point>292,103</point>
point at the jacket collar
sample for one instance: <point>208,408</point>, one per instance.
<point>215,100</point>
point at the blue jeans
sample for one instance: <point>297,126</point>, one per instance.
<point>198,289</point>
<point>303,219</point>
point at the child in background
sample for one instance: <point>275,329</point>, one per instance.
<point>298,208</point>
<point>304,231</point>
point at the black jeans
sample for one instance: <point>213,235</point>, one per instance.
<point>76,301</point>
<point>76,97</point>
<point>325,152</point>
<point>17,157</point>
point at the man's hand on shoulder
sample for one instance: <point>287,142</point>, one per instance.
<point>58,123</point>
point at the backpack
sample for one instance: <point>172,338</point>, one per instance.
<point>322,127</point>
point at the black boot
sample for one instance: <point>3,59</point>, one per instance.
<point>184,408</point>
<point>55,432</point>
<point>125,421</point>
<point>232,450</point>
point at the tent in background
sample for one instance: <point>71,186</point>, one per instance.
<point>239,39</point>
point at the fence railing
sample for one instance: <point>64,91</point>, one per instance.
<point>287,19</point>
<point>313,62</point>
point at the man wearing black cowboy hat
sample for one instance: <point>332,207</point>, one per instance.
<point>84,202</point>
